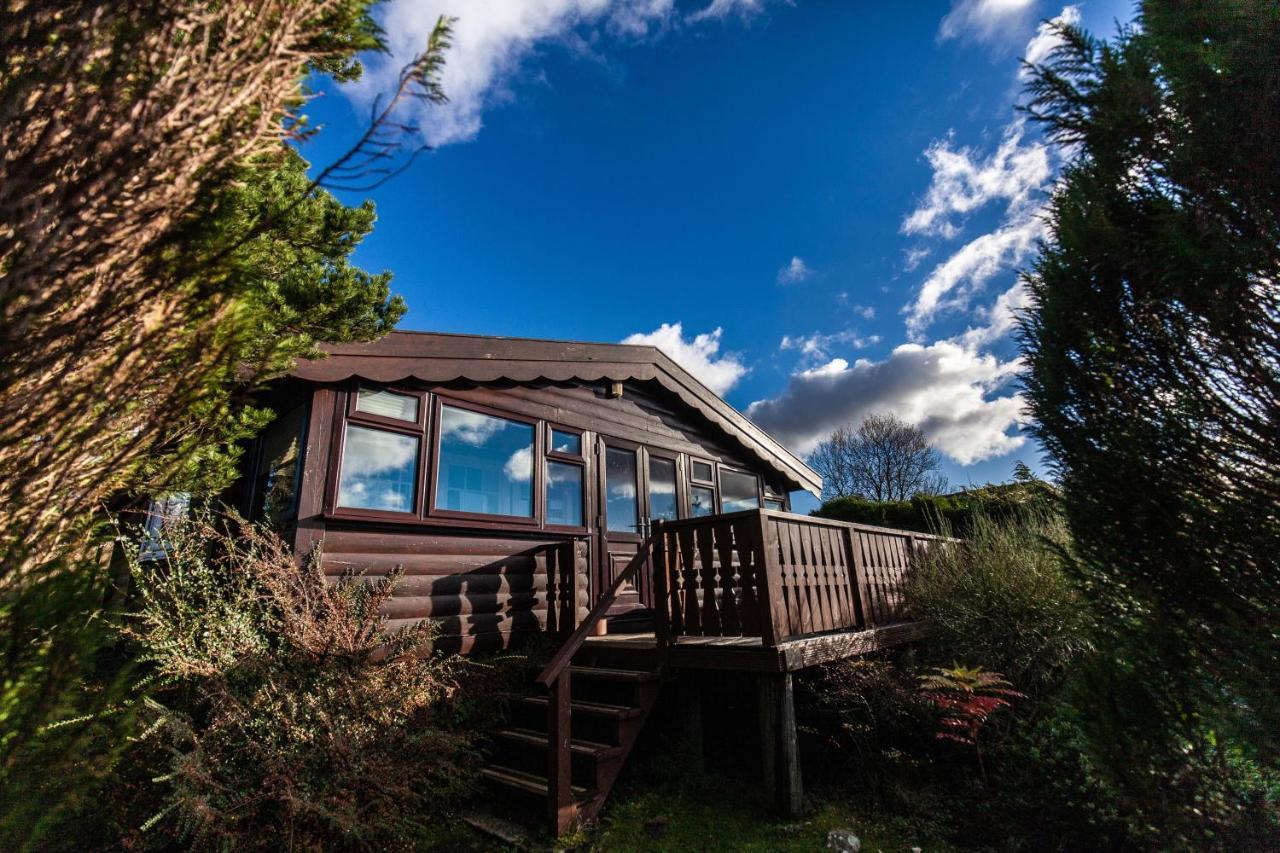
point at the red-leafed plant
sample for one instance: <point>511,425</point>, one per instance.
<point>965,699</point>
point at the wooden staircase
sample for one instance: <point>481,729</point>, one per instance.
<point>566,742</point>
<point>607,710</point>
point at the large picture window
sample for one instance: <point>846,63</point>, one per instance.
<point>486,464</point>
<point>379,469</point>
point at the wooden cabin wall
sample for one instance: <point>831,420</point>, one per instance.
<point>485,584</point>
<point>482,590</point>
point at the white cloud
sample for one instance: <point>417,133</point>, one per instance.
<point>491,41</point>
<point>817,345</point>
<point>519,466</point>
<point>913,257</point>
<point>987,21</point>
<point>963,181</point>
<point>953,393</point>
<point>700,356</point>
<point>952,284</point>
<point>1000,319</point>
<point>794,272</point>
<point>721,9</point>
<point>1046,39</point>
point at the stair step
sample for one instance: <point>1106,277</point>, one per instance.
<point>634,676</point>
<point>595,709</point>
<point>581,747</point>
<point>530,783</point>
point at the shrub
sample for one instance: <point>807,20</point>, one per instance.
<point>955,512</point>
<point>288,716</point>
<point>1003,600</point>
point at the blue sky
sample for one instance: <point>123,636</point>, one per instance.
<point>816,207</point>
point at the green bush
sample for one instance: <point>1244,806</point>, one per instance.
<point>955,513</point>
<point>287,716</point>
<point>1003,600</point>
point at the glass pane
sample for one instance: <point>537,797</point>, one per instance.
<point>702,501</point>
<point>566,442</point>
<point>772,503</point>
<point>620,490</point>
<point>486,464</point>
<point>379,470</point>
<point>277,474</point>
<point>738,491</point>
<point>662,489</point>
<point>402,407</point>
<point>702,471</point>
<point>564,493</point>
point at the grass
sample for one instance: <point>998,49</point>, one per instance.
<point>725,814</point>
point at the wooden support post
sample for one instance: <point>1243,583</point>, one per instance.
<point>690,695</point>
<point>560,807</point>
<point>661,603</point>
<point>779,747</point>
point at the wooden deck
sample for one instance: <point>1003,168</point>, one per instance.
<point>750,654</point>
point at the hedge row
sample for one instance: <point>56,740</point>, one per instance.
<point>951,513</point>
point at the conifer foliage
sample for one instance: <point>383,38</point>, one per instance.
<point>1153,343</point>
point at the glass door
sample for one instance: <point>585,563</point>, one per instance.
<point>638,484</point>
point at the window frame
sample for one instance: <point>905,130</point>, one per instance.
<point>418,430</point>
<point>580,460</point>
<point>537,499</point>
<point>691,481</point>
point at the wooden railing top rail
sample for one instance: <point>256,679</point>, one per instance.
<point>560,662</point>
<point>855,525</point>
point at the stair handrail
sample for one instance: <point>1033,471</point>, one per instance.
<point>560,662</point>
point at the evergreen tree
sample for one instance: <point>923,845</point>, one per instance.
<point>1153,343</point>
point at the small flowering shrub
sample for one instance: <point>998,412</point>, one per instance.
<point>288,717</point>
<point>965,699</point>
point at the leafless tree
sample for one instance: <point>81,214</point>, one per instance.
<point>884,459</point>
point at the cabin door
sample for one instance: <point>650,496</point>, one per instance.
<point>638,485</point>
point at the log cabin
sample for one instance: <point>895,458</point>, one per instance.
<point>598,493</point>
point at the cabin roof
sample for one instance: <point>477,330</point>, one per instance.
<point>438,357</point>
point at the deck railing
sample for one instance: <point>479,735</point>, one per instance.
<point>775,575</point>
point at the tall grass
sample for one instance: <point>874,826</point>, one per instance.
<point>1003,600</point>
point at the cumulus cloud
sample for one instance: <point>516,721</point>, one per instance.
<point>700,356</point>
<point>989,21</point>
<point>794,272</point>
<point>953,393</point>
<point>1046,38</point>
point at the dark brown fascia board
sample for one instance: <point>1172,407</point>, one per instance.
<point>443,357</point>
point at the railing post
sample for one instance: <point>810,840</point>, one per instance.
<point>559,760</point>
<point>774,627</point>
<point>661,603</point>
<point>859,568</point>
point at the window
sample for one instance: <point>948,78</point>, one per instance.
<point>568,443</point>
<point>701,471</point>
<point>565,476</point>
<point>379,469</point>
<point>774,503</point>
<point>738,491</point>
<point>485,464</point>
<point>276,479</point>
<point>387,404</point>
<point>564,493</point>
<point>662,488</point>
<point>702,501</point>
<point>621,508</point>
